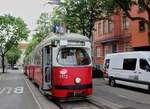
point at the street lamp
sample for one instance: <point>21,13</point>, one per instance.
<point>54,2</point>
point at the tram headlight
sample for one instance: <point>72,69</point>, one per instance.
<point>77,80</point>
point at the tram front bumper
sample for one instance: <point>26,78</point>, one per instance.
<point>73,90</point>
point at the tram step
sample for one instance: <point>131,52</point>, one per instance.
<point>45,93</point>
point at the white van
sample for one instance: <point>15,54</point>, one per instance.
<point>129,68</point>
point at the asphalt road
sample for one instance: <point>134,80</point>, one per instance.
<point>120,97</point>
<point>14,92</point>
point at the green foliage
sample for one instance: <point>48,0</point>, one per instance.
<point>42,30</point>
<point>31,45</point>
<point>43,26</point>
<point>13,55</point>
<point>126,6</point>
<point>12,31</point>
<point>81,15</point>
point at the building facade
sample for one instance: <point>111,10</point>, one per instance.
<point>119,34</point>
<point>23,47</point>
<point>139,33</point>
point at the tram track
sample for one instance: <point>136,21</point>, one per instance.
<point>79,104</point>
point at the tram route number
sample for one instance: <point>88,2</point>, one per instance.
<point>9,90</point>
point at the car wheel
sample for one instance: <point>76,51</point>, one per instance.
<point>149,89</point>
<point>112,82</point>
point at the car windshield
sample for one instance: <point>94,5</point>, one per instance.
<point>73,57</point>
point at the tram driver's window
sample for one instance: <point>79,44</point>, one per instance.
<point>73,56</point>
<point>82,57</point>
<point>64,54</point>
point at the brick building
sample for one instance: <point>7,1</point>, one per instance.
<point>119,34</point>
<point>139,30</point>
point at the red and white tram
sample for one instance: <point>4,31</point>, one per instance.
<point>62,64</point>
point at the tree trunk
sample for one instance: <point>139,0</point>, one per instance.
<point>82,26</point>
<point>3,64</point>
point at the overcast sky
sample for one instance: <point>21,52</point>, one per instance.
<point>28,10</point>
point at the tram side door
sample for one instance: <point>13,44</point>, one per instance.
<point>46,67</point>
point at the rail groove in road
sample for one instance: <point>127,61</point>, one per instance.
<point>79,104</point>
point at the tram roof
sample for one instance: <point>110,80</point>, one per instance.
<point>66,36</point>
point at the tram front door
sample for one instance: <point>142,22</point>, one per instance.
<point>47,67</point>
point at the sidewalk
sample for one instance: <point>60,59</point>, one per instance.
<point>1,70</point>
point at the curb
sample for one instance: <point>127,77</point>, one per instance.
<point>41,99</point>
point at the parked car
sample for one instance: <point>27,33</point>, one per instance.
<point>15,67</point>
<point>130,68</point>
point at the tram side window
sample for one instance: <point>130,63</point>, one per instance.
<point>37,58</point>
<point>73,56</point>
<point>47,60</point>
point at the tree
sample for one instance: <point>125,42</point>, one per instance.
<point>32,45</point>
<point>57,19</point>
<point>42,30</point>
<point>82,14</point>
<point>12,30</point>
<point>126,7</point>
<point>43,26</point>
<point>13,55</point>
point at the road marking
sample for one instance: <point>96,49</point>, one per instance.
<point>122,96</point>
<point>18,90</point>
<point>33,95</point>
<point>8,90</point>
<point>2,90</point>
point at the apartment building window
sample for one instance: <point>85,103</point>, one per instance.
<point>125,22</point>
<point>141,26</point>
<point>126,47</point>
<point>99,29</point>
<point>98,52</point>
<point>105,51</point>
<point>105,26</point>
<point>141,7</point>
<point>110,26</point>
<point>114,48</point>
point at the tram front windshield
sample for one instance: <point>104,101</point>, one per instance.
<point>73,57</point>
